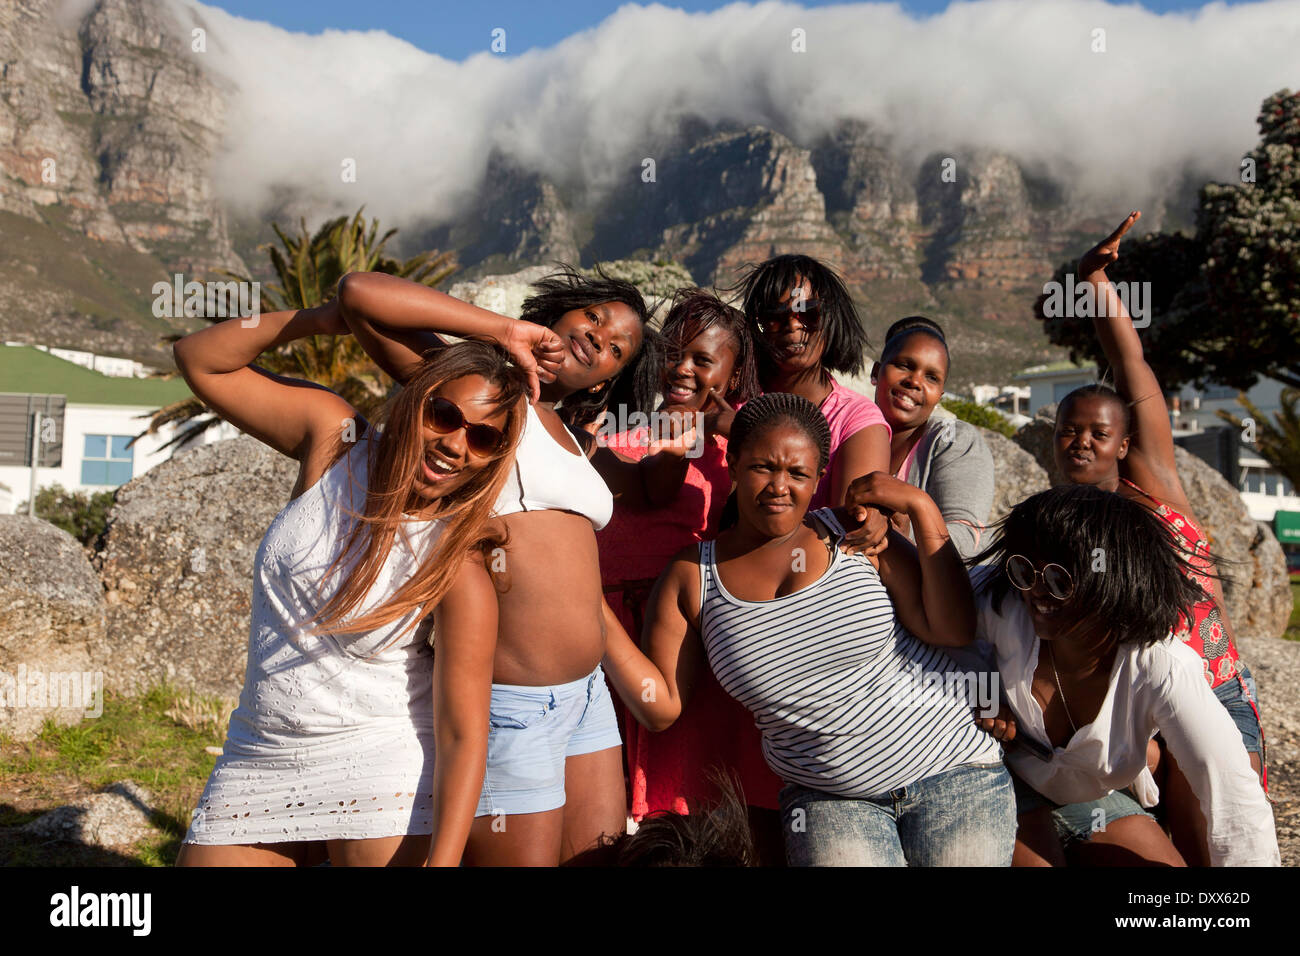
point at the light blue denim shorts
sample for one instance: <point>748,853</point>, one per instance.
<point>532,730</point>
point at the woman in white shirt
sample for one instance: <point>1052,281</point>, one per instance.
<point>1077,601</point>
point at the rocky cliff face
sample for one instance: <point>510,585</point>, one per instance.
<point>110,125</point>
<point>108,128</point>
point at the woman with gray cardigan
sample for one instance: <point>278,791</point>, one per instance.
<point>929,448</point>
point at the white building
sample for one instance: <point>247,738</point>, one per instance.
<point>89,421</point>
<point>111,365</point>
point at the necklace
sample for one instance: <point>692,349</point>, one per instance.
<point>1064,705</point>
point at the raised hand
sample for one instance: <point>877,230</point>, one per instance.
<point>718,419</point>
<point>1105,252</point>
<point>535,349</point>
<point>683,432</point>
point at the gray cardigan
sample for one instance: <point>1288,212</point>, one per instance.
<point>954,466</point>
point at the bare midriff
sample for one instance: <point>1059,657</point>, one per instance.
<point>550,628</point>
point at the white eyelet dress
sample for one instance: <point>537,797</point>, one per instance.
<point>333,736</point>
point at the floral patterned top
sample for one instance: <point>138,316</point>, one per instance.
<point>1205,633</point>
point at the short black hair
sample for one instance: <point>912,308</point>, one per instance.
<point>843,337</point>
<point>694,311</point>
<point>1102,391</point>
<point>904,328</point>
<point>637,384</point>
<point>1129,571</point>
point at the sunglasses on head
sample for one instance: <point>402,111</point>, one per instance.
<point>444,416</point>
<point>1024,576</point>
<point>778,318</point>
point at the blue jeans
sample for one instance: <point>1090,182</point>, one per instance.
<point>961,817</point>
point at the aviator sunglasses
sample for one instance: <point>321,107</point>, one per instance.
<point>445,416</point>
<point>1024,575</point>
<point>808,312</point>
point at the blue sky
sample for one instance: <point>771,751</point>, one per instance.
<point>460,29</point>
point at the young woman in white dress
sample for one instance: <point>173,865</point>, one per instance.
<point>331,750</point>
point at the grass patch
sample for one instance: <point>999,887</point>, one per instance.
<point>156,739</point>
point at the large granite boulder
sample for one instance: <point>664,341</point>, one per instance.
<point>51,614</point>
<point>177,566</point>
<point>1255,584</point>
<point>1016,474</point>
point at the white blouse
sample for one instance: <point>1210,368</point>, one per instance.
<point>1157,688</point>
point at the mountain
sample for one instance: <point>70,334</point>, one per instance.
<point>108,129</point>
<point>132,126</point>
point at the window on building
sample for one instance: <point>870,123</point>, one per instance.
<point>107,460</point>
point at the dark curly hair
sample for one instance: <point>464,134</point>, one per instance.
<point>781,408</point>
<point>637,384</point>
<point>695,311</point>
<point>844,339</point>
<point>1104,391</point>
<point>1130,573</point>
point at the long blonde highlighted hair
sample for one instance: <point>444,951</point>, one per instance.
<point>394,462</point>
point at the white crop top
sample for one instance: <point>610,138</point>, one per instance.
<point>548,477</point>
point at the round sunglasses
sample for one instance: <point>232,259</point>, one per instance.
<point>444,416</point>
<point>1024,576</point>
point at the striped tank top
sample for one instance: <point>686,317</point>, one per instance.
<point>847,701</point>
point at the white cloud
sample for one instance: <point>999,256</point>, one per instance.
<point>1171,91</point>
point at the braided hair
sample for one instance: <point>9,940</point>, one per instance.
<point>781,408</point>
<point>769,409</point>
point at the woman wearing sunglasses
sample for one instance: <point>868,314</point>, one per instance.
<point>1076,601</point>
<point>554,779</point>
<point>331,749</point>
<point>1122,442</point>
<point>805,327</point>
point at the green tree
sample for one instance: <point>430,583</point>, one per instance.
<point>308,269</point>
<point>981,415</point>
<point>1278,441</point>
<point>1226,302</point>
<point>82,515</point>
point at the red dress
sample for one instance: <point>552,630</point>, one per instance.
<point>1205,634</point>
<point>669,770</point>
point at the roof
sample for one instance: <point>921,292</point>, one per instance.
<point>30,371</point>
<point>1052,369</point>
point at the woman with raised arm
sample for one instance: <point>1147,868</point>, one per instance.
<point>1076,597</point>
<point>1122,441</point>
<point>344,706</point>
<point>710,369</point>
<point>940,454</point>
<point>554,779</point>
<point>862,714</point>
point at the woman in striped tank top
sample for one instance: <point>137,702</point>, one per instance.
<point>863,716</point>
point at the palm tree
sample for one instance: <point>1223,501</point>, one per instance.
<point>1278,441</point>
<point>308,269</point>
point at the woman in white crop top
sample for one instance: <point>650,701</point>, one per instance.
<point>554,760</point>
<point>331,750</point>
<point>1077,600</point>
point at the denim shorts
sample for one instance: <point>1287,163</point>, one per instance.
<point>1238,705</point>
<point>1077,822</point>
<point>531,731</point>
<point>965,816</point>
